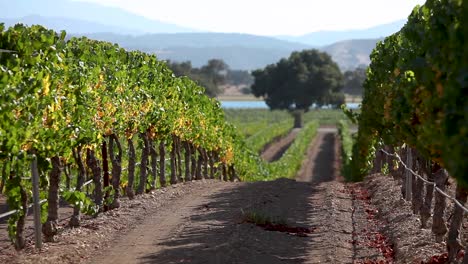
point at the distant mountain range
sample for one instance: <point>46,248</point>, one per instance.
<point>350,54</point>
<point>197,40</point>
<point>68,24</point>
<point>322,38</point>
<point>240,51</point>
<point>98,18</point>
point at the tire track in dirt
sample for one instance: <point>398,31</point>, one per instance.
<point>347,232</point>
<point>331,207</point>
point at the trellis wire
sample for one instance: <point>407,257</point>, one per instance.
<point>427,182</point>
<point>30,205</point>
<point>43,201</point>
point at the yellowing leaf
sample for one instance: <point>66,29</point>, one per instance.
<point>46,85</point>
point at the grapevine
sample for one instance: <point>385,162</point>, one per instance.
<point>415,91</point>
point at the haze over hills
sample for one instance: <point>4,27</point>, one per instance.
<point>350,54</point>
<point>68,24</point>
<point>197,40</point>
<point>322,38</point>
<point>168,41</point>
<point>77,12</point>
<point>239,51</point>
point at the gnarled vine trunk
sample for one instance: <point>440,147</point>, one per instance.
<point>205,163</point>
<point>378,161</point>
<point>178,159</point>
<point>193,160</point>
<point>162,163</point>
<point>232,173</point>
<point>425,211</point>
<point>199,175</point>
<point>439,228</point>
<point>224,176</point>
<point>116,169</point>
<point>188,156</point>
<point>76,217</point>
<point>418,184</point>
<point>105,168</point>
<point>453,240</point>
<point>211,162</point>
<point>93,164</point>
<point>392,164</point>
<point>20,241</point>
<point>408,176</point>
<point>50,226</point>
<point>154,165</point>
<point>173,161</point>
<point>131,169</point>
<point>143,163</point>
<point>402,172</point>
<point>216,167</point>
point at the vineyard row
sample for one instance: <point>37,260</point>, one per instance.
<point>86,107</point>
<point>415,102</point>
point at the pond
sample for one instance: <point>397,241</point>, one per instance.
<point>263,105</point>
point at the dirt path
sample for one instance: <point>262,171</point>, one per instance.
<point>167,225</point>
<point>211,228</point>
<point>275,150</point>
<point>210,222</point>
<point>321,155</point>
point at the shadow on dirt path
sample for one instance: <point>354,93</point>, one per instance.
<point>215,231</point>
<point>319,166</point>
<point>205,222</point>
<point>212,228</point>
<point>323,170</point>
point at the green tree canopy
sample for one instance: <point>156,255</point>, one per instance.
<point>353,81</point>
<point>239,77</point>
<point>211,76</point>
<point>296,83</point>
<point>305,78</point>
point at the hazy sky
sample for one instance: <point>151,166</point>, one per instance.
<point>270,17</point>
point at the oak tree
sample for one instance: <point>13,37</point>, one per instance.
<point>306,78</point>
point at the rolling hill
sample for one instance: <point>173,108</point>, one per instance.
<point>239,51</point>
<point>83,16</point>
<point>68,24</point>
<point>323,38</point>
<point>350,54</point>
<point>172,42</point>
